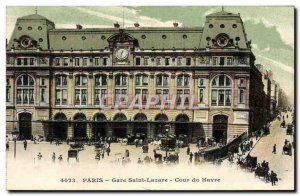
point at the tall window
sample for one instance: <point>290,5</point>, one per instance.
<point>25,90</point>
<point>201,87</point>
<point>100,89</point>
<point>167,60</point>
<point>242,88</point>
<point>137,61</point>
<point>80,90</point>
<point>85,61</point>
<point>158,61</point>
<point>7,90</point>
<point>19,61</point>
<point>221,91</point>
<point>31,61</point>
<point>65,61</point>
<point>179,61</point>
<point>61,91</point>
<point>183,89</point>
<point>188,61</point>
<point>105,61</point>
<point>146,60</point>
<point>77,61</point>
<point>57,61</point>
<point>162,86</point>
<point>141,87</point>
<point>120,87</point>
<point>97,61</point>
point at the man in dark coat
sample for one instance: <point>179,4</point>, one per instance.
<point>188,150</point>
<point>108,151</point>
<point>25,144</point>
<point>274,149</point>
<point>273,177</point>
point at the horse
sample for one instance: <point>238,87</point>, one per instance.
<point>157,156</point>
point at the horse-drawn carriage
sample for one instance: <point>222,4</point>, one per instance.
<point>172,158</point>
<point>78,144</point>
<point>168,144</point>
<point>73,154</point>
<point>289,130</point>
<point>182,141</point>
<point>145,148</point>
<point>261,172</point>
<point>287,149</point>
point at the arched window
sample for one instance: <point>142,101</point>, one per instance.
<point>221,92</point>
<point>100,89</point>
<point>183,89</point>
<point>162,80</point>
<point>80,90</point>
<point>25,90</point>
<point>61,91</point>
<point>121,80</point>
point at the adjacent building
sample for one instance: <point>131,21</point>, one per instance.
<point>81,82</point>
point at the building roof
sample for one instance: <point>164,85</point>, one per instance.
<point>47,37</point>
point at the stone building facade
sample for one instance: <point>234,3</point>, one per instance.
<point>70,82</point>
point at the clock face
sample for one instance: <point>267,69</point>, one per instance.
<point>222,41</point>
<point>122,54</point>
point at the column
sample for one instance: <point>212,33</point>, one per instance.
<point>131,87</point>
<point>70,89</point>
<point>90,90</point>
<point>110,89</point>
<point>152,84</point>
<point>70,131</point>
<point>172,90</point>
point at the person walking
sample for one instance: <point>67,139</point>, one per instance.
<point>60,158</point>
<point>53,157</point>
<point>7,146</point>
<point>25,144</point>
<point>274,149</point>
<point>39,156</point>
<point>188,150</point>
<point>108,151</point>
<point>191,157</point>
<point>273,177</point>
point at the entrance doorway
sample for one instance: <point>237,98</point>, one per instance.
<point>140,125</point>
<point>60,127</point>
<point>79,126</point>
<point>182,125</point>
<point>220,125</point>
<point>25,125</point>
<point>99,127</point>
<point>120,128</point>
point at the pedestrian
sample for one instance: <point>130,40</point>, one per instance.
<point>108,141</point>
<point>34,140</point>
<point>108,151</point>
<point>251,143</point>
<point>188,150</point>
<point>53,157</point>
<point>60,158</point>
<point>139,161</point>
<point>274,149</point>
<point>273,177</point>
<point>7,145</point>
<point>39,156</point>
<point>25,144</point>
<point>68,140</point>
<point>103,155</point>
<point>191,157</point>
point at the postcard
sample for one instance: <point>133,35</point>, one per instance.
<point>170,98</point>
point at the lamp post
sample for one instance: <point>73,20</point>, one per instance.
<point>167,146</point>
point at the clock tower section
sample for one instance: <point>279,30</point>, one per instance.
<point>122,46</point>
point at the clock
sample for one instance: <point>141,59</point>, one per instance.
<point>122,54</point>
<point>222,40</point>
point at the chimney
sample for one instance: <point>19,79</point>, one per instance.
<point>78,26</point>
<point>116,25</point>
<point>136,24</point>
<point>175,24</point>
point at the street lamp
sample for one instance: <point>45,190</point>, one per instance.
<point>167,146</point>
<point>14,134</point>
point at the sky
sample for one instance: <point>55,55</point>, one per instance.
<point>271,29</point>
